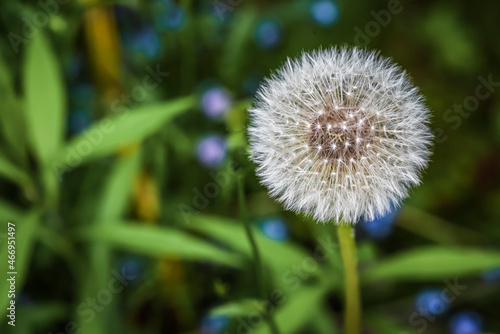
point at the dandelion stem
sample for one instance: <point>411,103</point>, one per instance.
<point>255,251</point>
<point>351,280</point>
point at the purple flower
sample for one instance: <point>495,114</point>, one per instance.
<point>211,151</point>
<point>215,102</point>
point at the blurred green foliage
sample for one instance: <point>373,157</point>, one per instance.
<point>121,228</point>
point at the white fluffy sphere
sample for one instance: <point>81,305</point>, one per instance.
<point>339,134</point>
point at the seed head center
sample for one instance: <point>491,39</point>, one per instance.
<point>342,133</point>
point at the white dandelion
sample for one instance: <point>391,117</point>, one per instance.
<point>339,134</point>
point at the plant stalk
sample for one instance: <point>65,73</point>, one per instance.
<point>351,280</point>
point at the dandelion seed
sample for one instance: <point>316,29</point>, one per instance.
<point>332,120</point>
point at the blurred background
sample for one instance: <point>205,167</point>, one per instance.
<point>123,138</point>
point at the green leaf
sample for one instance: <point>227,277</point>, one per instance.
<point>432,263</point>
<point>25,235</point>
<point>160,241</point>
<point>323,322</point>
<point>238,308</point>
<point>9,211</point>
<point>322,234</point>
<point>118,187</point>
<point>51,186</point>
<point>280,257</point>
<point>106,136</point>
<point>436,229</point>
<point>45,98</point>
<point>112,205</point>
<point>11,171</point>
<point>11,113</point>
<point>236,45</point>
<point>298,309</point>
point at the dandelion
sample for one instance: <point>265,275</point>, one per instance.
<point>339,134</point>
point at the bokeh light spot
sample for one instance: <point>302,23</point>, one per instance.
<point>211,151</point>
<point>466,322</point>
<point>268,33</point>
<point>324,12</point>
<point>215,102</point>
<point>275,229</point>
<point>79,120</point>
<point>432,302</point>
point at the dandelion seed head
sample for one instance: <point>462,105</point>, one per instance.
<point>361,113</point>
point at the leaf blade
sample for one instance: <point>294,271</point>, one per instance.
<point>118,189</point>
<point>25,235</point>
<point>298,309</point>
<point>432,263</point>
<point>12,115</point>
<point>155,241</point>
<point>11,172</point>
<point>106,136</point>
<point>237,308</point>
<point>45,98</point>
<point>280,257</point>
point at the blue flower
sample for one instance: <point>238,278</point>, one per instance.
<point>432,302</point>
<point>174,19</point>
<point>167,15</point>
<point>324,12</point>
<point>214,324</point>
<point>132,267</point>
<point>149,41</point>
<point>466,322</point>
<point>268,33</point>
<point>491,276</point>
<point>380,228</point>
<point>79,120</point>
<point>145,40</point>
<point>211,151</point>
<point>275,229</point>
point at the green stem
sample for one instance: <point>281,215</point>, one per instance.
<point>351,280</point>
<point>255,251</point>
